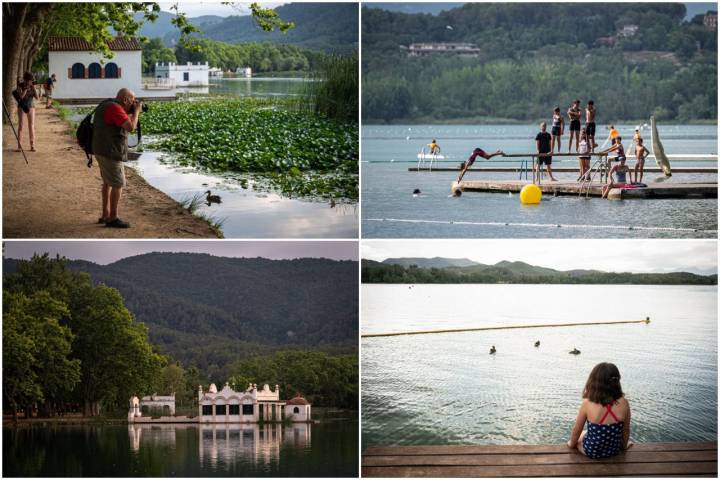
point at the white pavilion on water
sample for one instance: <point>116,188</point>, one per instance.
<point>225,406</point>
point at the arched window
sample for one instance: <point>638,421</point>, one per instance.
<point>296,410</point>
<point>111,70</point>
<point>78,71</point>
<point>94,70</point>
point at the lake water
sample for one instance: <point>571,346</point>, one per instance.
<point>258,87</point>
<point>248,213</point>
<point>387,186</point>
<point>447,389</point>
<point>327,449</point>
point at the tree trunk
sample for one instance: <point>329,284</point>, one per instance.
<point>13,21</point>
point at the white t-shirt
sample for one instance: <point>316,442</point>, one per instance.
<point>583,148</point>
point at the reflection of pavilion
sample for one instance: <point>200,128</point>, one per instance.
<point>157,435</point>
<point>229,443</point>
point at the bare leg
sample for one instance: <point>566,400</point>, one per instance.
<point>115,194</point>
<point>559,142</point>
<point>31,128</point>
<point>21,114</point>
<point>642,170</point>
<point>580,447</point>
<point>552,144</point>
<point>105,201</point>
<point>549,169</point>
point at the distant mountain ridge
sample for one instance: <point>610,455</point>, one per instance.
<point>328,27</point>
<point>437,262</point>
<point>205,310</point>
<point>453,270</point>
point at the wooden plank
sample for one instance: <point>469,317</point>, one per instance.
<point>661,190</point>
<point>574,470</point>
<point>569,457</point>
<point>521,449</point>
<point>555,169</point>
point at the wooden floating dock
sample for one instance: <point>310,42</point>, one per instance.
<point>647,459</point>
<point>555,169</point>
<point>654,190</point>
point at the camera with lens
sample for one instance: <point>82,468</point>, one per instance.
<point>145,107</point>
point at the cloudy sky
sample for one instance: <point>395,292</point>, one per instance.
<point>105,252</point>
<point>698,256</point>
<point>196,9</point>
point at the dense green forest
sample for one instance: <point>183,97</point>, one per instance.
<point>326,27</point>
<point>261,57</point>
<point>537,56</point>
<point>398,271</point>
<point>69,339</point>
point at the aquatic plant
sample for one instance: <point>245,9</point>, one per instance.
<point>302,154</point>
<point>334,91</point>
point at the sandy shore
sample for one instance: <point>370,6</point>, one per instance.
<point>57,196</point>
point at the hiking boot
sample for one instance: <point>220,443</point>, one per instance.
<point>117,223</point>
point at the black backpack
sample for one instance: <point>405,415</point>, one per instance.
<point>84,135</point>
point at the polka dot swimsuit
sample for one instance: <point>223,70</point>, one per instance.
<point>603,441</point>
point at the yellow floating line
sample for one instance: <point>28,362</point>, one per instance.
<point>508,327</point>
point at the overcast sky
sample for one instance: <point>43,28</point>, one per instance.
<point>698,256</point>
<point>196,9</point>
<point>105,252</point>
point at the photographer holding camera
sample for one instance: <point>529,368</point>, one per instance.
<point>25,95</point>
<point>113,120</point>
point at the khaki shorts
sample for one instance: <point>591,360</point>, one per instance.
<point>111,171</point>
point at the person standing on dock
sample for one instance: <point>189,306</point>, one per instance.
<point>478,152</point>
<point>113,120</point>
<point>558,126</point>
<point>614,134</point>
<point>584,151</point>
<point>590,124</point>
<point>574,116</point>
<point>641,154</point>
<point>543,146</point>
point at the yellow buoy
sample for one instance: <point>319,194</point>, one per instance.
<point>530,194</point>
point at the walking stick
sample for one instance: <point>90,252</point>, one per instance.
<point>7,114</point>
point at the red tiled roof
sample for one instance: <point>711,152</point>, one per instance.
<point>297,401</point>
<point>77,44</point>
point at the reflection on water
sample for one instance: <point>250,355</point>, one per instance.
<point>258,87</point>
<point>249,213</point>
<point>325,449</point>
<point>446,388</point>
<point>226,445</point>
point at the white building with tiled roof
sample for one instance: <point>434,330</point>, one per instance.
<point>83,74</point>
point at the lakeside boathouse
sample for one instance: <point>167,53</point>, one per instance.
<point>226,406</point>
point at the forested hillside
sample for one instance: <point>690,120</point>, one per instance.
<point>400,271</point>
<point>327,27</point>
<point>208,311</point>
<point>535,56</point>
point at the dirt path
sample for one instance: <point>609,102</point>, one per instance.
<point>57,196</point>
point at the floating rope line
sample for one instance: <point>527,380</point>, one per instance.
<point>508,327</point>
<point>544,225</point>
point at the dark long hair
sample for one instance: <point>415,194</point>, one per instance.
<point>603,384</point>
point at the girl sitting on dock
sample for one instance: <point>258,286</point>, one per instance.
<point>606,412</point>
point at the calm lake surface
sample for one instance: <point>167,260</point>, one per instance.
<point>327,449</point>
<point>387,186</point>
<point>447,389</point>
<point>258,87</point>
<point>247,212</point>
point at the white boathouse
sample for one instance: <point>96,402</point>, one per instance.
<point>184,75</point>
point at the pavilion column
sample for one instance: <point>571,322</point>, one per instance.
<point>213,412</point>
